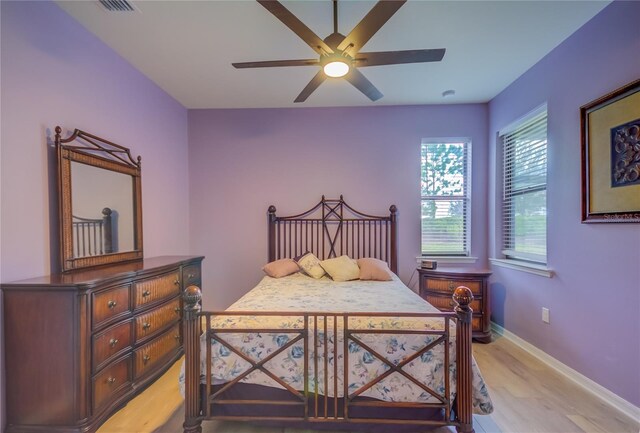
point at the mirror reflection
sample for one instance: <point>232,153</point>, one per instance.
<point>103,211</point>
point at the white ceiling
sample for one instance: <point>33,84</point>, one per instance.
<point>187,48</point>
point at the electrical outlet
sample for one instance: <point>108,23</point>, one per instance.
<point>545,315</point>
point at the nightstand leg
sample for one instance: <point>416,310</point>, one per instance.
<point>484,339</point>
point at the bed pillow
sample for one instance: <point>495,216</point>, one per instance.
<point>310,264</point>
<point>281,268</point>
<point>341,268</point>
<point>374,269</point>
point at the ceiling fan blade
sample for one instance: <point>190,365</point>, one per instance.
<point>370,24</point>
<point>275,63</point>
<point>361,83</point>
<point>298,27</point>
<point>399,57</point>
<point>311,87</point>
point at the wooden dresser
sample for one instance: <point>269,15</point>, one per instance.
<point>80,345</point>
<point>437,286</point>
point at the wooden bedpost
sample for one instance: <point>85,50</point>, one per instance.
<point>394,242</point>
<point>108,230</point>
<point>191,335</point>
<point>272,233</point>
<point>464,406</point>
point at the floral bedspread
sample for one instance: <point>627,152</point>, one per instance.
<point>298,293</point>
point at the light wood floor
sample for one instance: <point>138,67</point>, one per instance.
<point>528,397</point>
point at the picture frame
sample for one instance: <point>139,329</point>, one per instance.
<point>610,156</point>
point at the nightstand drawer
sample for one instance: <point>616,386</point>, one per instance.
<point>447,302</point>
<point>476,323</point>
<point>437,287</point>
<point>449,286</point>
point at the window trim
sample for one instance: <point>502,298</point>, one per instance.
<point>523,266</point>
<point>468,187</point>
<point>511,258</point>
<point>447,259</point>
<point>522,119</point>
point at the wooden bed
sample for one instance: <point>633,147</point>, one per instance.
<point>92,236</point>
<point>330,229</point>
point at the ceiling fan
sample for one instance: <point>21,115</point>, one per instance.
<point>340,55</point>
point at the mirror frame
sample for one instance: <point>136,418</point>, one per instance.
<point>100,153</point>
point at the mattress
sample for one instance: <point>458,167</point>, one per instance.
<point>297,293</point>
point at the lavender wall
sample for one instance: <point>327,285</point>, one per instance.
<point>241,161</point>
<point>594,297</point>
<point>54,72</point>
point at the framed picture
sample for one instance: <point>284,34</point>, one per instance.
<point>610,145</point>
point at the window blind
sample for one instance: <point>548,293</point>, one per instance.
<point>446,196</point>
<point>524,210</point>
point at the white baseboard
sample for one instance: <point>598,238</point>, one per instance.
<point>608,397</point>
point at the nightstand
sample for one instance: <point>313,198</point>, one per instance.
<point>437,286</point>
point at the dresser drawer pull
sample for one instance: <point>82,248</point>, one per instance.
<point>177,336</point>
<point>112,304</point>
<point>452,286</point>
<point>111,380</point>
<point>176,282</point>
<point>177,310</point>
<point>146,325</point>
<point>146,358</point>
<point>451,304</point>
<point>146,293</point>
<point>190,276</point>
<point>113,342</point>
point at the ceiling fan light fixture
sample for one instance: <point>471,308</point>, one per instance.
<point>336,68</point>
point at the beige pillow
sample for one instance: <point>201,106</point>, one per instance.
<point>374,269</point>
<point>310,264</point>
<point>281,268</point>
<point>341,268</point>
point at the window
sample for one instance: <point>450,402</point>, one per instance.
<point>524,206</point>
<point>446,196</point>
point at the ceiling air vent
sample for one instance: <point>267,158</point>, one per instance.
<point>117,5</point>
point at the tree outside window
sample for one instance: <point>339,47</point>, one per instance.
<point>445,192</point>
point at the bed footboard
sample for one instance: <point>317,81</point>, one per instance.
<point>191,340</point>
<point>312,333</point>
<point>463,297</point>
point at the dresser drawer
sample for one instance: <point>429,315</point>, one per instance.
<point>157,319</point>
<point>110,304</point>
<point>152,354</point>
<point>111,342</point>
<point>156,289</point>
<point>449,286</point>
<point>447,303</point>
<point>191,275</point>
<point>111,382</point>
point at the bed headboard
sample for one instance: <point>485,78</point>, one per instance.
<point>333,228</point>
<point>92,236</point>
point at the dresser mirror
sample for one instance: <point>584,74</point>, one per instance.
<point>100,201</point>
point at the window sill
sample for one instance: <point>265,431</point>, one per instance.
<point>531,268</point>
<point>448,259</point>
